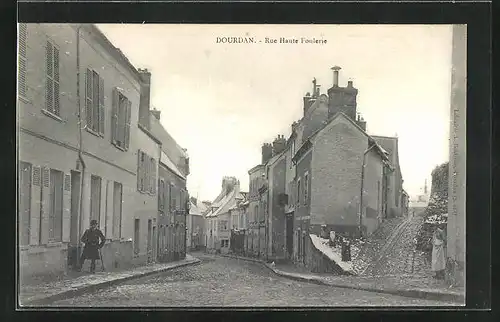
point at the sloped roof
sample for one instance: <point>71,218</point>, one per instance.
<point>197,209</point>
<point>165,160</point>
<point>223,205</point>
<point>307,143</point>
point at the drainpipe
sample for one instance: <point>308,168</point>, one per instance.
<point>80,146</point>
<point>362,188</point>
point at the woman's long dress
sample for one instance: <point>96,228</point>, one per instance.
<point>438,256</point>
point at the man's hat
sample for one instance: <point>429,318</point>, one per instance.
<point>93,222</point>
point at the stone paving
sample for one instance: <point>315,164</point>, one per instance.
<point>30,292</point>
<point>228,282</point>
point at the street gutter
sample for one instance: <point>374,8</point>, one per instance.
<point>410,292</point>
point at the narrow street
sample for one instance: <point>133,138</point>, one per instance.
<point>221,281</point>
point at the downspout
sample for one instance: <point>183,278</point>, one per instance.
<point>362,189</point>
<point>80,146</point>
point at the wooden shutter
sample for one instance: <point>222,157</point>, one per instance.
<point>127,123</point>
<point>95,102</point>
<point>35,215</point>
<point>49,86</point>
<point>102,110</point>
<point>22,59</point>
<point>153,173</point>
<point>115,103</point>
<point>139,186</point>
<point>44,227</point>
<point>160,194</point>
<point>57,108</point>
<point>66,214</point>
<point>88,97</point>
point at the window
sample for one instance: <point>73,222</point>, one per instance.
<point>21,80</point>
<point>173,197</point>
<point>161,195</point>
<point>152,176</point>
<point>222,225</point>
<point>146,173</point>
<point>24,203</point>
<point>136,236</point>
<point>117,210</point>
<point>95,198</point>
<point>94,102</point>
<point>120,125</point>
<point>56,205</point>
<point>255,213</point>
<point>298,191</point>
<point>306,187</point>
<point>52,79</point>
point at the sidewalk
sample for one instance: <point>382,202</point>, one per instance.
<point>418,286</point>
<point>41,294</point>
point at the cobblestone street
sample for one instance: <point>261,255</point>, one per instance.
<point>220,281</point>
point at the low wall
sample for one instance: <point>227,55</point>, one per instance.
<point>43,261</point>
<point>317,262</point>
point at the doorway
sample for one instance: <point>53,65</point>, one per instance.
<point>289,235</point>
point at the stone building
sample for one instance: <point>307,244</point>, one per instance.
<point>218,228</point>
<point>195,223</point>
<point>83,153</point>
<point>330,171</point>
<point>255,239</point>
<point>170,231</point>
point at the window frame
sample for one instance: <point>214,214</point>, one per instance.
<point>120,120</point>
<point>95,125</point>
<point>53,217</point>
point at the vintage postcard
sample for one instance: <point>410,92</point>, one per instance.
<point>184,165</point>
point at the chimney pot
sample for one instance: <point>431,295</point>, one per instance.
<point>349,84</point>
<point>335,75</point>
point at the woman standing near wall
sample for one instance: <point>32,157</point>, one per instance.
<point>438,252</point>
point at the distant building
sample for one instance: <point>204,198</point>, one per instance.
<point>218,228</point>
<point>195,223</point>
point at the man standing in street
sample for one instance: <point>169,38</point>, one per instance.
<point>94,240</point>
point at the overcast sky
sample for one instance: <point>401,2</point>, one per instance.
<point>222,101</point>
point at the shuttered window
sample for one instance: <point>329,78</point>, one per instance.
<point>21,80</point>
<point>52,92</point>
<point>94,102</point>
<point>56,205</point>
<point>117,210</point>
<point>161,195</point>
<point>121,114</point>
<point>306,188</point>
<point>146,173</point>
<point>24,209</point>
<point>95,198</point>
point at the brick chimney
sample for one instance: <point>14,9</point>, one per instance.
<point>279,145</point>
<point>229,184</point>
<point>144,104</point>
<point>267,152</point>
<point>156,114</point>
<point>342,99</point>
<point>308,101</point>
<point>361,122</point>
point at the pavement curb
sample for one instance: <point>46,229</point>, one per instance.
<point>93,287</point>
<point>414,293</point>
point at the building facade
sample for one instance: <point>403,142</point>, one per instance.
<point>79,140</point>
<point>255,239</point>
<point>218,218</point>
<point>330,172</point>
<point>195,222</point>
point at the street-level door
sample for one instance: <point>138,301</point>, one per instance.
<point>289,235</point>
<point>149,242</point>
